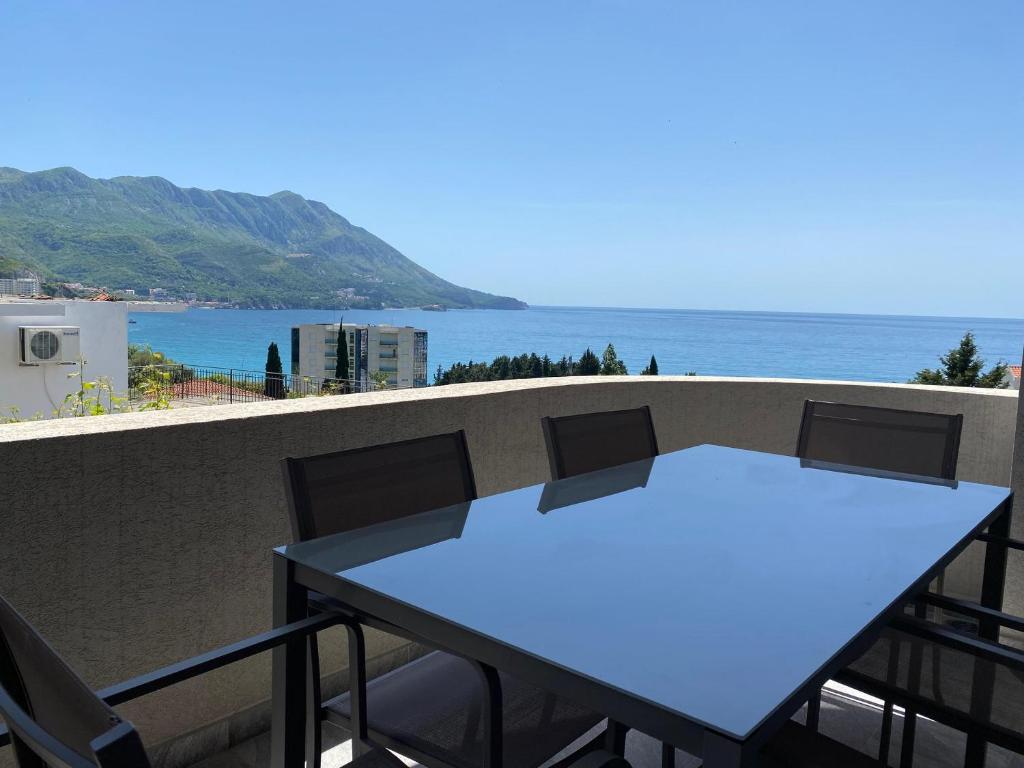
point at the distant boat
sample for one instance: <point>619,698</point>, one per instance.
<point>434,308</point>
<point>132,322</point>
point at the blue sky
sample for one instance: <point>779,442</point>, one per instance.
<point>839,156</point>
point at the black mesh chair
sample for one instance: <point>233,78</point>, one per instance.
<point>972,685</point>
<point>56,720</point>
<point>922,444</point>
<point>970,692</point>
<point>592,441</point>
<point>431,708</point>
<point>908,442</point>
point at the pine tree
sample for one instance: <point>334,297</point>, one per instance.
<point>610,363</point>
<point>651,369</point>
<point>536,366</point>
<point>273,381</point>
<point>587,365</point>
<point>961,367</point>
<point>342,371</point>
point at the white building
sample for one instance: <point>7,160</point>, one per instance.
<point>398,351</point>
<point>41,343</point>
<point>19,286</point>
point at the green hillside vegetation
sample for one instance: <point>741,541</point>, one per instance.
<point>142,232</point>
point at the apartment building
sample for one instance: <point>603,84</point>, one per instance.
<point>398,351</point>
<point>20,286</point>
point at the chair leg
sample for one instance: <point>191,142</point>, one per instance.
<point>314,732</point>
<point>494,719</point>
<point>907,747</point>
<point>357,688</point>
<point>813,711</point>
<point>885,740</point>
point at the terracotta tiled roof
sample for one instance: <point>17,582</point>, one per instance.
<point>1015,371</point>
<point>205,388</point>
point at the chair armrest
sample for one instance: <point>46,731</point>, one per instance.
<point>206,662</point>
<point>221,657</point>
<point>940,635</point>
<point>973,609</point>
<point>1004,541</point>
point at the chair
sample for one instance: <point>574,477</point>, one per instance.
<point>430,708</point>
<point>55,720</point>
<point>592,441</point>
<point>923,444</point>
<point>973,689</point>
<point>909,442</point>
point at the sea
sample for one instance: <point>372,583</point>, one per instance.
<point>884,348</point>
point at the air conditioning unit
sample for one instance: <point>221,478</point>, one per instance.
<point>49,345</point>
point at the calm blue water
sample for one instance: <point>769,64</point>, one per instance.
<point>853,347</point>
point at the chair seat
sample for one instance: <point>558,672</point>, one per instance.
<point>434,705</point>
<point>796,746</point>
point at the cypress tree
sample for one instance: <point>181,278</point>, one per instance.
<point>342,372</point>
<point>273,381</point>
<point>651,369</point>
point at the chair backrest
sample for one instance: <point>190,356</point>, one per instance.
<point>592,441</point>
<point>912,442</point>
<point>343,491</point>
<point>55,719</point>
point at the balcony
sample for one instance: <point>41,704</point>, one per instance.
<point>137,540</point>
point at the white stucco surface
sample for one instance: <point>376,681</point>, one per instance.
<point>40,389</point>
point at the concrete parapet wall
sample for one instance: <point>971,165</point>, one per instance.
<point>136,540</point>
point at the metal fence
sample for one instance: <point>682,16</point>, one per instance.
<point>210,385</point>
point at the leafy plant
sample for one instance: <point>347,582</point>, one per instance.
<point>93,398</point>
<point>156,390</point>
<point>14,416</point>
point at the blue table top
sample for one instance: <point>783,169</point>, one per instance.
<point>713,582</point>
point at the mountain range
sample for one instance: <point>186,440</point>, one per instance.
<point>247,250</point>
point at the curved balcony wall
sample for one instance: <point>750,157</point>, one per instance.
<point>133,541</point>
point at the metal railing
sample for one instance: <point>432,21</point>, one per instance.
<point>210,385</point>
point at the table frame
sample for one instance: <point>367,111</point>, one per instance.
<point>293,582</point>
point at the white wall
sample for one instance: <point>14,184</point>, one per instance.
<point>40,389</point>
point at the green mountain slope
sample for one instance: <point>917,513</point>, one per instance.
<point>142,232</point>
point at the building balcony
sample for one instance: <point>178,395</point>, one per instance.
<point>136,540</point>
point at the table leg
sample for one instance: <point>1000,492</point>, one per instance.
<point>615,738</point>
<point>668,755</point>
<point>288,724</point>
<point>720,752</point>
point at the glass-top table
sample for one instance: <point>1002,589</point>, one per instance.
<point>700,597</point>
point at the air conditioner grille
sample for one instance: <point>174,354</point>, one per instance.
<point>45,345</point>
